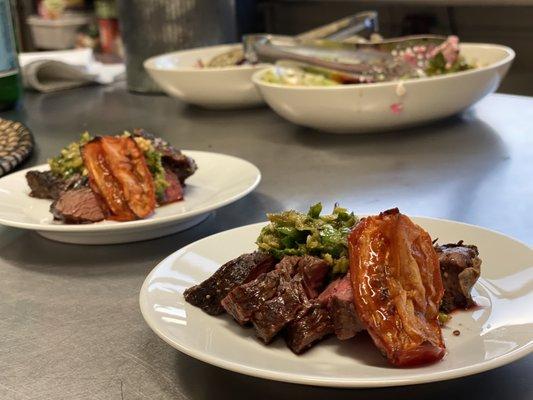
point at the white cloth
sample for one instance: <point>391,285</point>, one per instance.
<point>50,71</point>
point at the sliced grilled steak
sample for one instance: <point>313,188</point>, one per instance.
<point>172,158</point>
<point>338,298</point>
<point>174,191</point>
<point>313,271</point>
<point>272,316</point>
<point>209,294</point>
<point>314,325</point>
<point>46,185</point>
<point>288,265</point>
<point>77,206</point>
<point>244,300</point>
<point>460,268</point>
<point>278,297</point>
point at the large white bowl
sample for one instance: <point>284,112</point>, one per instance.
<point>227,87</point>
<point>386,106</point>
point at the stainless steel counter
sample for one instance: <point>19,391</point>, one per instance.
<point>70,325</point>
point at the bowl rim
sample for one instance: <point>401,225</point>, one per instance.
<point>150,63</point>
<point>509,57</point>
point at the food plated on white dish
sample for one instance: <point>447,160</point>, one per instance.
<point>356,300</point>
<point>186,75</point>
<point>122,188</point>
<point>325,103</point>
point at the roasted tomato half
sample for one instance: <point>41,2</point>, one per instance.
<point>119,174</point>
<point>397,287</point>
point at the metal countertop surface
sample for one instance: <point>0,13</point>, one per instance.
<point>70,324</point>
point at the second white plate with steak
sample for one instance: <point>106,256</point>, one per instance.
<point>220,179</point>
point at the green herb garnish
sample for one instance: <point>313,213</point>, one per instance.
<point>323,236</point>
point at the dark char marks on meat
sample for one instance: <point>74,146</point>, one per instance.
<point>272,316</point>
<point>312,326</point>
<point>460,267</point>
<point>243,301</point>
<point>47,185</point>
<point>282,295</point>
<point>209,294</point>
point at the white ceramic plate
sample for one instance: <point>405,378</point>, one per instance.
<point>220,88</point>
<point>495,334</point>
<point>219,180</point>
<point>386,106</point>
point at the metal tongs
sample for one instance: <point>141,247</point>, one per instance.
<point>357,62</point>
<point>357,27</point>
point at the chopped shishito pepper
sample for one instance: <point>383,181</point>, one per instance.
<point>397,287</point>
<point>69,161</point>
<point>118,173</point>
<point>324,236</point>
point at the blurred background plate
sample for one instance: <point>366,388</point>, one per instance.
<point>220,180</point>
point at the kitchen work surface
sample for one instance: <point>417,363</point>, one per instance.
<point>70,322</point>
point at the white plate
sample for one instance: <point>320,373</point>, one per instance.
<point>491,336</point>
<point>219,88</point>
<point>219,180</point>
<point>382,106</point>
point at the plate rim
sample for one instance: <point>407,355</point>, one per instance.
<point>505,359</point>
<point>141,223</point>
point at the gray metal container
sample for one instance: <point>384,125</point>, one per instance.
<point>152,27</point>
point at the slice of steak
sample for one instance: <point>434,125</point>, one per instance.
<point>172,158</point>
<point>272,316</point>
<point>209,294</point>
<point>303,278</point>
<point>345,321</point>
<point>460,268</point>
<point>288,265</point>
<point>47,185</point>
<point>313,271</point>
<point>314,325</point>
<point>244,300</point>
<point>77,206</point>
<point>338,298</point>
<point>174,191</point>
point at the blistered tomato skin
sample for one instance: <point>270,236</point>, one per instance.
<point>103,183</point>
<point>397,287</point>
<point>129,168</point>
<point>119,175</point>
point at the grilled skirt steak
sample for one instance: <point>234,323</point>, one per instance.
<point>313,271</point>
<point>209,294</point>
<point>272,316</point>
<point>77,206</point>
<point>174,191</point>
<point>460,268</point>
<point>173,159</point>
<point>338,299</point>
<point>46,185</point>
<point>314,325</point>
<point>273,300</point>
<point>243,301</point>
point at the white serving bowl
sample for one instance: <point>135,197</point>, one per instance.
<point>363,108</point>
<point>222,88</point>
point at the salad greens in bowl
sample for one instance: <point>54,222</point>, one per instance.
<point>330,104</point>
